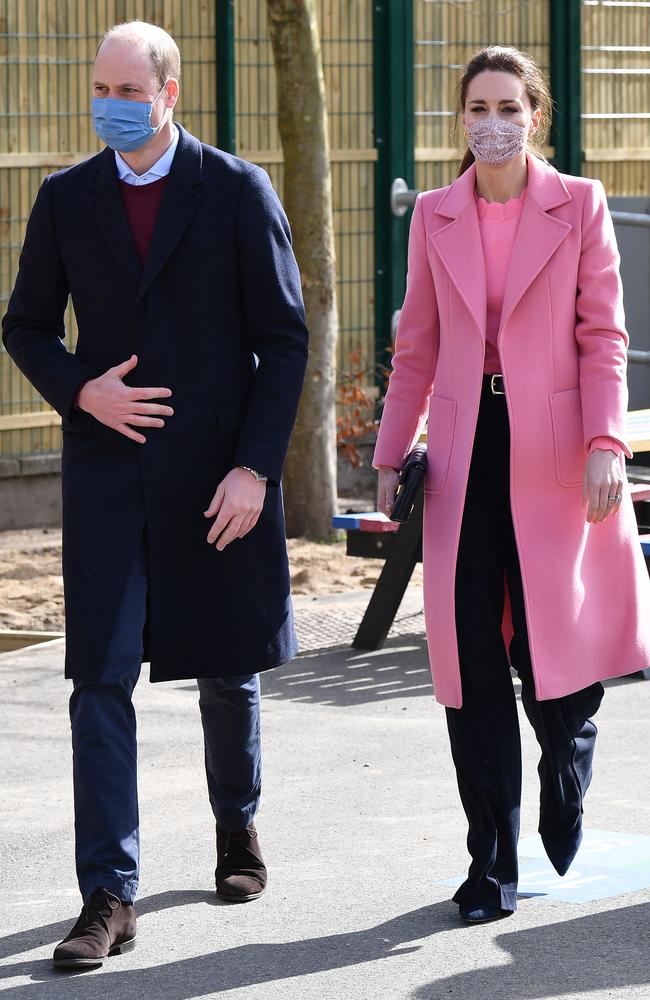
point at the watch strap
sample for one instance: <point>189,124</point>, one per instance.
<point>259,476</point>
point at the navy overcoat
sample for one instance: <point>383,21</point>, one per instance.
<point>217,316</point>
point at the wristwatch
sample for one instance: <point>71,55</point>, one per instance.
<point>260,477</point>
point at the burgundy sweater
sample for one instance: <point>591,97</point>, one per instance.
<point>141,204</point>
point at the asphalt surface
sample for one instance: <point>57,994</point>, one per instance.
<point>359,823</point>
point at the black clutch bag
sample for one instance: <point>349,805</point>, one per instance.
<point>410,481</point>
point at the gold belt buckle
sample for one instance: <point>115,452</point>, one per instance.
<point>493,384</point>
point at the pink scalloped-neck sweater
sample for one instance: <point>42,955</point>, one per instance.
<point>497,223</point>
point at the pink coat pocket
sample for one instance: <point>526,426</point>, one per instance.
<point>568,437</point>
<point>440,435</point>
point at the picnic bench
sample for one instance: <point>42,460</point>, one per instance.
<point>376,536</point>
<point>372,535</point>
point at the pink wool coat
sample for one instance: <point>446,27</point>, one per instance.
<point>562,344</point>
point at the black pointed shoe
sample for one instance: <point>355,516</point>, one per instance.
<point>561,849</point>
<point>106,927</point>
<point>483,914</point>
<point>240,874</point>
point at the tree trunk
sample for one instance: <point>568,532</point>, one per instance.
<point>310,470</point>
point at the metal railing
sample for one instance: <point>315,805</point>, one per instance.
<point>632,218</point>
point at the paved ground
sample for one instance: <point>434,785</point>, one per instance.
<point>360,820</point>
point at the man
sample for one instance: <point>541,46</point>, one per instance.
<point>177,409</point>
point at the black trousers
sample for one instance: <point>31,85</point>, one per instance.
<point>484,732</point>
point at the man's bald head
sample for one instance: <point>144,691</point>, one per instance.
<point>152,41</point>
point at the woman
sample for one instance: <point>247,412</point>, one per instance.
<point>512,342</point>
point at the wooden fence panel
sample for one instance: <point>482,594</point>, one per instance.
<point>616,95</point>
<point>346,42</point>
<point>447,33</point>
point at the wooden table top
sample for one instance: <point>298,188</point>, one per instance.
<point>638,430</point>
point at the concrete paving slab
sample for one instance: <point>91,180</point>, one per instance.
<point>360,821</point>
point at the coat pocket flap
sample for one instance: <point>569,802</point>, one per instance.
<point>199,247</point>
<point>568,436</point>
<point>231,413</point>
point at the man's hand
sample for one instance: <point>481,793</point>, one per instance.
<point>237,504</point>
<point>603,479</point>
<point>118,406</point>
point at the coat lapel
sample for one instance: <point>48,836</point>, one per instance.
<point>538,237</point>
<point>538,234</point>
<point>459,245</point>
<point>180,202</point>
<point>106,208</point>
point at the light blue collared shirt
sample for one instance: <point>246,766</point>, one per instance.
<point>160,168</point>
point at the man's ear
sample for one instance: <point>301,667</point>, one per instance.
<point>173,91</point>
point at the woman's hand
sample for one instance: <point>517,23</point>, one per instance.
<point>387,488</point>
<point>603,480</point>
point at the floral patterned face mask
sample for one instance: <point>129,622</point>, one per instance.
<point>496,141</point>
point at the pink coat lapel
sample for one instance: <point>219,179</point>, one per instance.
<point>458,245</point>
<point>538,236</point>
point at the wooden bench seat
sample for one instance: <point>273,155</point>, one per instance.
<point>372,521</point>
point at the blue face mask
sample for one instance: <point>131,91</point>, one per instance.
<point>124,125</point>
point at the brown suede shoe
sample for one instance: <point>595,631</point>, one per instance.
<point>240,873</point>
<point>106,927</point>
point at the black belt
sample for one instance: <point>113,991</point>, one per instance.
<point>495,384</point>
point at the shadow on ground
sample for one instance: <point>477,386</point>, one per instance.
<point>602,952</point>
<point>229,969</point>
<point>344,676</point>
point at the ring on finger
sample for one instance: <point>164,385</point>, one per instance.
<point>615,499</point>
